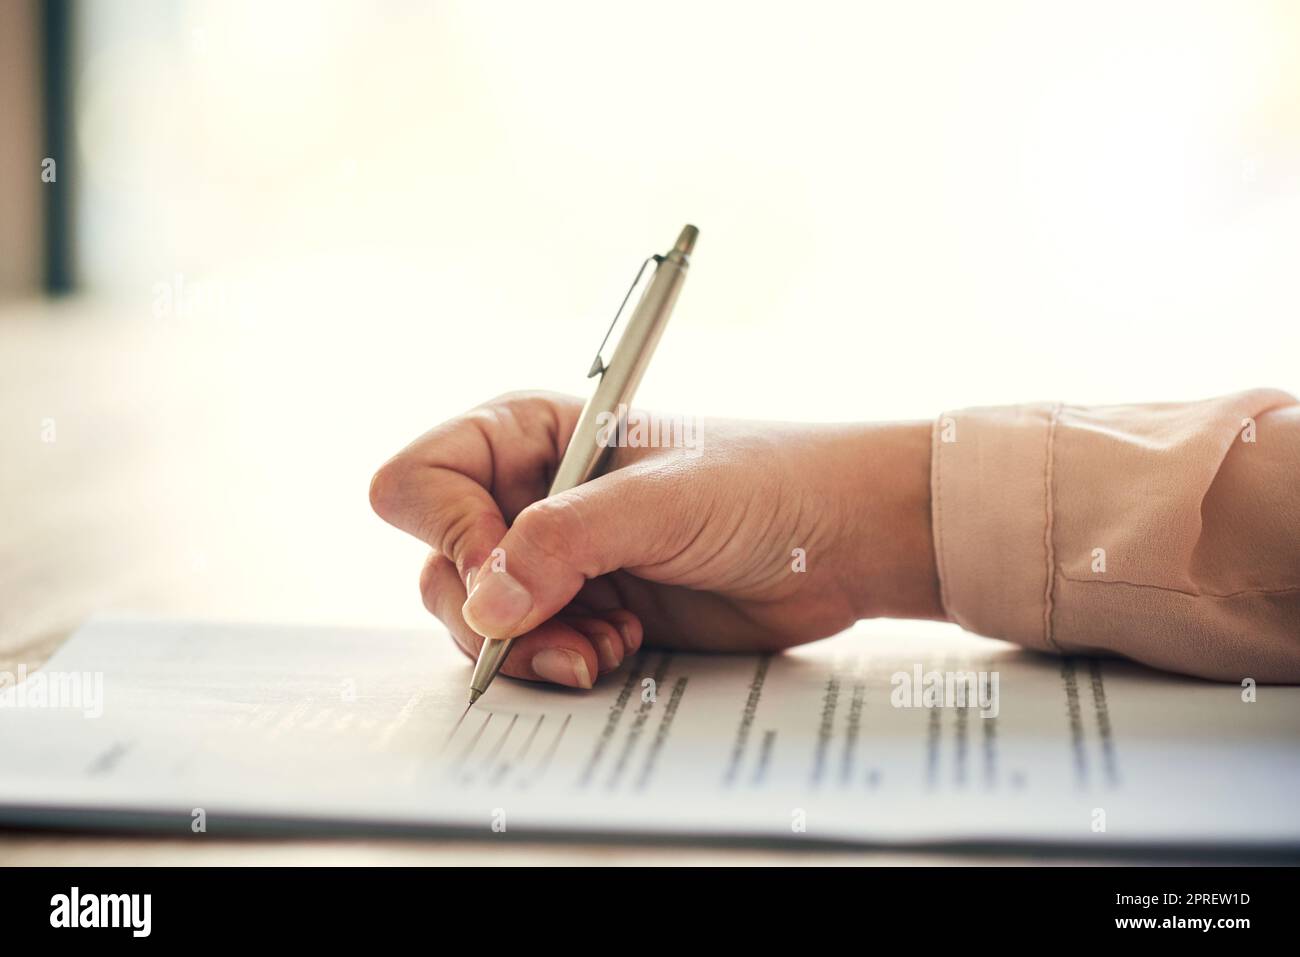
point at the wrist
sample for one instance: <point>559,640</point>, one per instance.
<point>897,574</point>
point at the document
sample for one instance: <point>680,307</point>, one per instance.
<point>890,733</point>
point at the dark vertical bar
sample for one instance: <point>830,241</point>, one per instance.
<point>56,29</point>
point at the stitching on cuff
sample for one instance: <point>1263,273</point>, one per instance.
<point>1048,545</point>
<point>936,492</point>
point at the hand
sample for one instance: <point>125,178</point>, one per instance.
<point>679,547</point>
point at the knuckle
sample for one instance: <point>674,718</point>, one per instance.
<point>525,408</point>
<point>553,528</point>
<point>521,397</point>
<point>386,486</point>
<point>505,407</point>
<point>459,536</point>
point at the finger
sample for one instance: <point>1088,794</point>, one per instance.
<point>599,598</point>
<point>631,518</point>
<point>629,628</point>
<point>457,485</point>
<point>604,637</point>
<point>554,652</point>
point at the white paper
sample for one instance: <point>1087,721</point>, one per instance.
<point>232,724</point>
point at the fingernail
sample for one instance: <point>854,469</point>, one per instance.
<point>469,581</point>
<point>562,666</point>
<point>496,605</point>
<point>605,651</point>
<point>630,639</point>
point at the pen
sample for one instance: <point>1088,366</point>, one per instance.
<point>586,453</point>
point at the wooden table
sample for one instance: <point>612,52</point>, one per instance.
<point>203,468</point>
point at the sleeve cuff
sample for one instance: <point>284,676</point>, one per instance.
<point>991,503</point>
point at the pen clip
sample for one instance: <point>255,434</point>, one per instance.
<point>598,364</point>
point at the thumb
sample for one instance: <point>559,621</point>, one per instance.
<point>628,518</point>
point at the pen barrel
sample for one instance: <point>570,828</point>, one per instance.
<point>597,430</point>
<point>599,425</point>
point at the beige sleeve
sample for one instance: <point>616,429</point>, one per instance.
<point>1169,534</point>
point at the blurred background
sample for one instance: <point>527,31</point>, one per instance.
<point>250,249</point>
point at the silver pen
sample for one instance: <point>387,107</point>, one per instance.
<point>586,454</point>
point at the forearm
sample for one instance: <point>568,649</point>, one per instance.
<point>1169,534</point>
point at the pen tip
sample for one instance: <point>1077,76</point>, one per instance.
<point>686,241</point>
<point>474,695</point>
